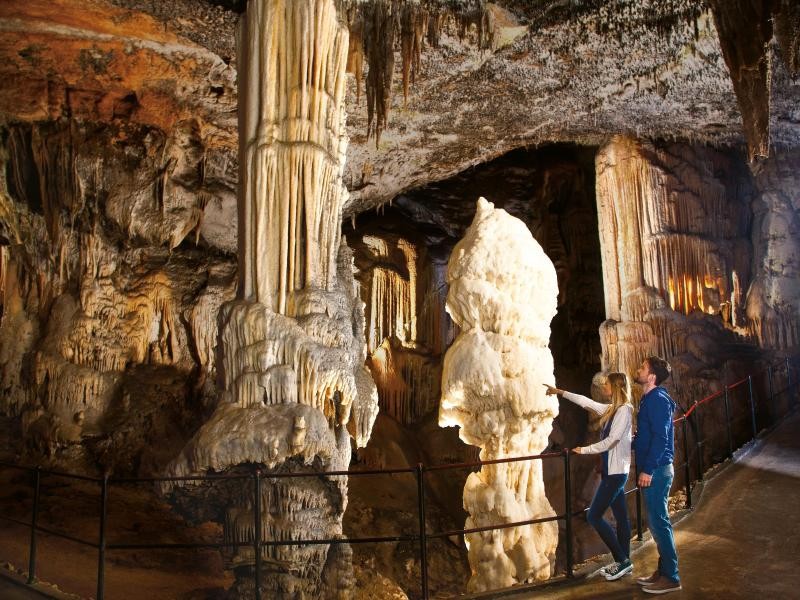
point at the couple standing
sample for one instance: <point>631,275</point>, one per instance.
<point>654,446</point>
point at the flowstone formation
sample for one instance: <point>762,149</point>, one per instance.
<point>773,310</point>
<point>502,295</point>
<point>688,291</point>
<point>294,383</point>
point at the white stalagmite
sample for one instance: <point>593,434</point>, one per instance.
<point>503,292</point>
<point>295,387</point>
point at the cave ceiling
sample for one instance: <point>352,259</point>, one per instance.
<point>555,71</point>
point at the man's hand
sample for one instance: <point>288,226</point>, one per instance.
<point>645,479</point>
<point>551,391</point>
<point>577,451</point>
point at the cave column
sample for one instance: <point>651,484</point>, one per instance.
<point>292,57</point>
<point>773,300</point>
<point>673,222</point>
<point>503,298</point>
<point>294,384</point>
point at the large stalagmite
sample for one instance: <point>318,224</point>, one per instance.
<point>293,351</point>
<point>503,292</point>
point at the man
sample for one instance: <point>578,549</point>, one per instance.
<point>655,448</point>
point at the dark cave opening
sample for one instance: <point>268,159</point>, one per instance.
<point>401,252</point>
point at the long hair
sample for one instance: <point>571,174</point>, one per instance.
<point>620,395</point>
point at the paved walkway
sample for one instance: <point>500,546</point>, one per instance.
<point>742,541</point>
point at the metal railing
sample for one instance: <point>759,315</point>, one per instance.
<point>688,423</point>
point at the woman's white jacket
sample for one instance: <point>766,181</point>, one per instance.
<point>618,441</point>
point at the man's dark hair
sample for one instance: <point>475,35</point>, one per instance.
<point>659,367</point>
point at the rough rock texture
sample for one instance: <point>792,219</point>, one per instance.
<point>675,224</point>
<point>578,71</point>
<point>100,277</point>
<point>292,346</point>
<point>773,309</point>
<point>491,389</point>
<point>402,285</point>
<point>118,212</point>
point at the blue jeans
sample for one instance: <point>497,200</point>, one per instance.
<point>655,499</point>
<point>611,493</point>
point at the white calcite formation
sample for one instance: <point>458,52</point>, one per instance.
<point>295,387</point>
<point>502,295</point>
<point>407,331</point>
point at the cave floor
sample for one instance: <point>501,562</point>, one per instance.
<point>741,541</point>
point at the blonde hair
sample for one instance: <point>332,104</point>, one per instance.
<point>620,395</point>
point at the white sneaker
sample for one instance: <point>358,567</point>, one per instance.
<point>617,570</point>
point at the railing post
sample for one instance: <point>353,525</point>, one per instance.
<point>638,504</point>
<point>698,439</point>
<point>772,410</point>
<point>257,529</point>
<point>752,404</point>
<point>687,471</point>
<point>728,423</point>
<point>423,540</point>
<point>101,554</point>
<point>568,511</point>
<point>37,476</point>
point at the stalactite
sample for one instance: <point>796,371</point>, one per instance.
<point>407,326</point>
<point>684,256</point>
<point>413,25</point>
<point>355,50</point>
<point>379,33</point>
<point>674,223</point>
<point>378,24</point>
<point>786,22</point>
<point>745,30</point>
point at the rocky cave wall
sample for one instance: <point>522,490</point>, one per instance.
<point>106,294</point>
<point>118,209</point>
<point>696,268</point>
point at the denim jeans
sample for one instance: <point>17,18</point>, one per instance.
<point>655,499</point>
<point>611,493</point>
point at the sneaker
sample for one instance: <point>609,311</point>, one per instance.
<point>662,586</point>
<point>649,580</point>
<point>617,570</point>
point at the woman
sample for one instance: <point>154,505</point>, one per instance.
<point>616,420</point>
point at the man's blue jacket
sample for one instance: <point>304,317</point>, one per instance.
<point>654,443</point>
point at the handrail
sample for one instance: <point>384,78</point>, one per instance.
<point>422,536</point>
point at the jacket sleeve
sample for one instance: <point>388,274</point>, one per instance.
<point>586,403</point>
<point>653,437</point>
<point>620,429</point>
